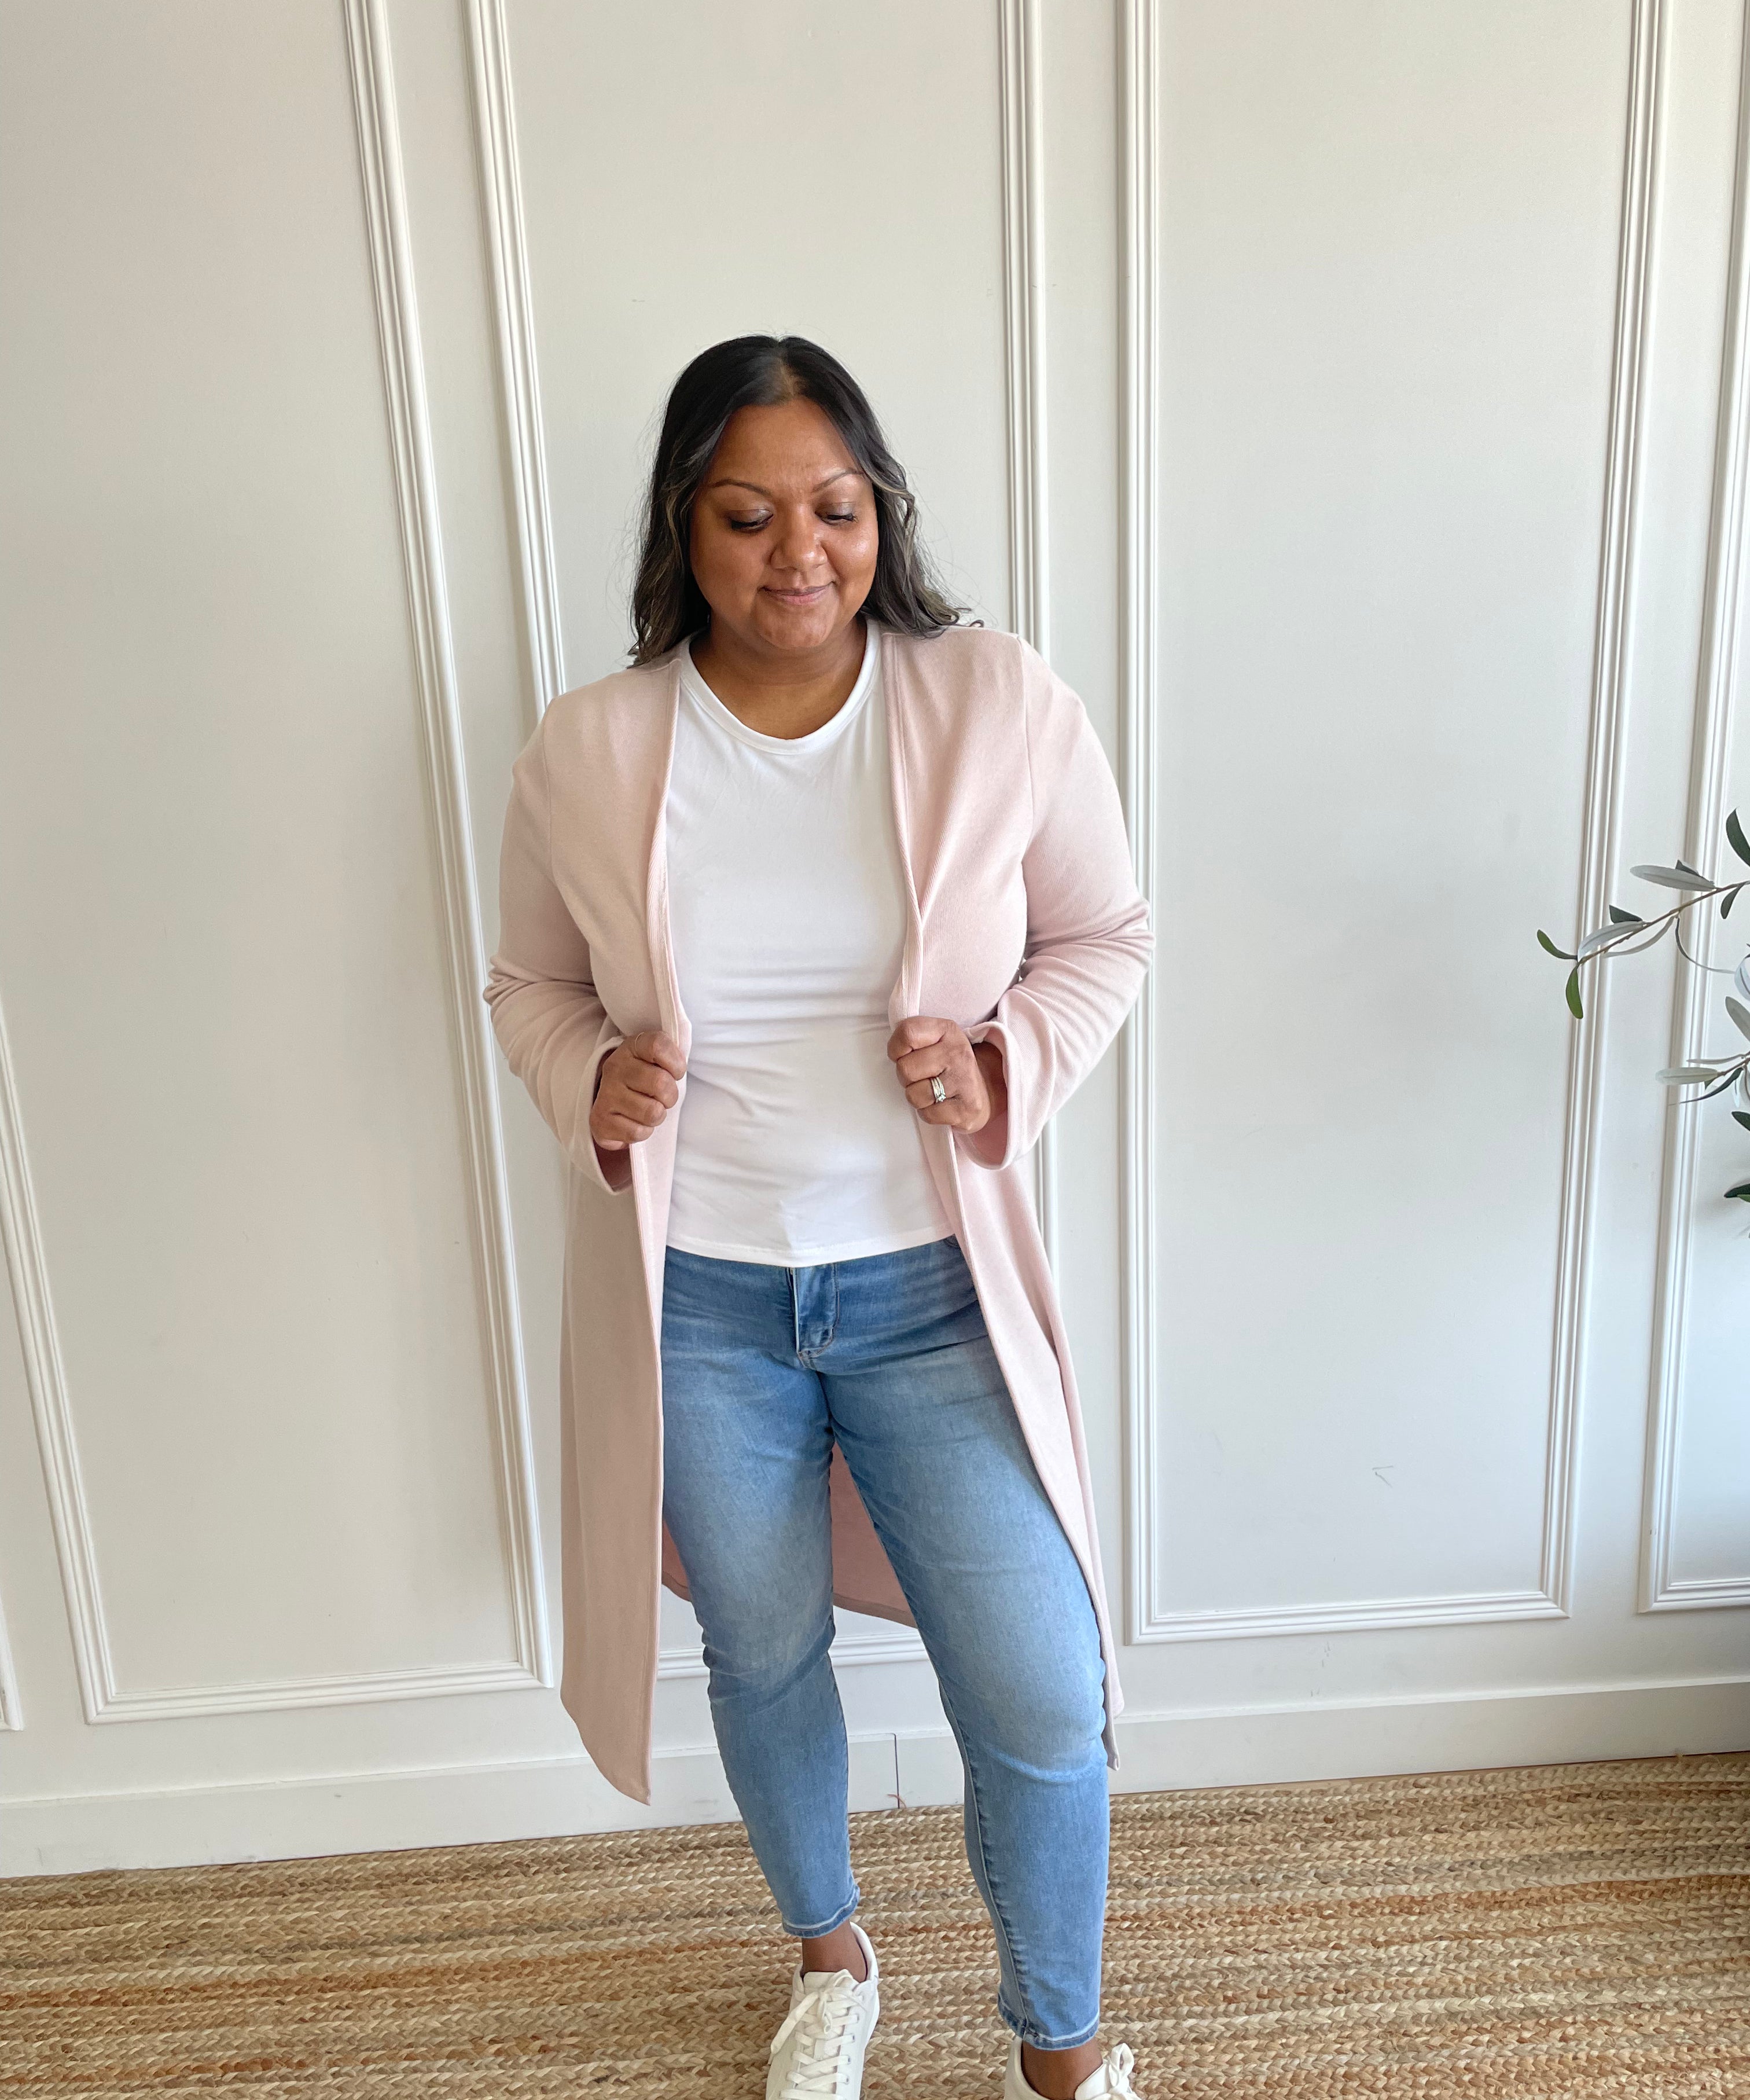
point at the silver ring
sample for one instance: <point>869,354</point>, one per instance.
<point>938,1089</point>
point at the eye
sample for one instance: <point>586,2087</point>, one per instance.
<point>839,517</point>
<point>745,524</point>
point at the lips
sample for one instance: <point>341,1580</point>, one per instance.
<point>799,598</point>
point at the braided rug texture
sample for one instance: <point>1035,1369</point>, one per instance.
<point>1570,1932</point>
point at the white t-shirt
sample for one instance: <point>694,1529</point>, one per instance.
<point>796,1144</point>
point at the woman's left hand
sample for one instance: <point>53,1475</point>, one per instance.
<point>924,1046</point>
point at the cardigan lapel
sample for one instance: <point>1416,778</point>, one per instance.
<point>903,998</point>
<point>657,928</point>
<point>652,1162</point>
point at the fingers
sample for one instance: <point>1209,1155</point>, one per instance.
<point>652,1046</point>
<point>958,1111</point>
<point>916,1072</point>
<point>649,1082</point>
<point>608,1128</point>
<point>637,1087</point>
<point>919,1031</point>
<point>624,1117</point>
<point>941,1048</point>
<point>632,1106</point>
<point>943,1053</point>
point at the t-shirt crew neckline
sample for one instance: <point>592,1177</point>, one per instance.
<point>835,724</point>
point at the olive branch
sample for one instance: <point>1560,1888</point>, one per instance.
<point>1629,934</point>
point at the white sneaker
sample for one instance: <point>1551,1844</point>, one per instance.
<point>818,2053</point>
<point>1112,2081</point>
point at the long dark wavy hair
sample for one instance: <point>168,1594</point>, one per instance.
<point>759,372</point>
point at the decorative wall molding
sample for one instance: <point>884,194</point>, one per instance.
<point>11,1706</point>
<point>1139,466</point>
<point>1023,318</point>
<point>1705,846</point>
<point>501,195</point>
<point>415,486</point>
<point>1020,37</point>
<point>282,1695</point>
<point>1146,1622</point>
<point>46,1380</point>
<point>101,1696</point>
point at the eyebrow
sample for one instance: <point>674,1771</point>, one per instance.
<point>728,481</point>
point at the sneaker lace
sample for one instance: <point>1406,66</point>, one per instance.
<point>821,2024</point>
<point>1120,2062</point>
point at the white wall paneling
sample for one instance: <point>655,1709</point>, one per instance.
<point>1024,268</point>
<point>500,184</point>
<point>93,1529</point>
<point>398,323</point>
<point>1152,1326</point>
<point>12,1705</point>
<point>47,1381</point>
<point>1698,1449</point>
<point>1139,470</point>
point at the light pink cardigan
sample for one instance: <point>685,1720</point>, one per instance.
<point>1024,923</point>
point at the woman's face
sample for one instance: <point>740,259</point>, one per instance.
<point>784,533</point>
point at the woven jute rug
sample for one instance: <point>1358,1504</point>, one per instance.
<point>1573,1931</point>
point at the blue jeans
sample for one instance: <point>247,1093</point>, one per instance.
<point>763,1367</point>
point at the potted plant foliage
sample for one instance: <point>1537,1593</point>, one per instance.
<point>1628,933</point>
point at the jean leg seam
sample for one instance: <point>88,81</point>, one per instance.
<point>1025,2029</point>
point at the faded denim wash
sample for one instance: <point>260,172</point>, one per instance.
<point>763,1367</point>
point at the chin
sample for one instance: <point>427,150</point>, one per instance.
<point>806,627</point>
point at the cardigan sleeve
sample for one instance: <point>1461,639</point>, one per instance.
<point>1088,937</point>
<point>553,1028</point>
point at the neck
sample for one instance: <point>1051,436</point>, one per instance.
<point>785,694</point>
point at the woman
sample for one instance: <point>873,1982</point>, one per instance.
<point>810,920</point>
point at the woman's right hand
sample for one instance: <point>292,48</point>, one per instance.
<point>635,1089</point>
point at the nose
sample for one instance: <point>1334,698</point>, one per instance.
<point>798,546</point>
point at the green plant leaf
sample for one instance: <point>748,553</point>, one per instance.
<point>1673,878</point>
<point>1684,868</point>
<point>1602,937</point>
<point>1725,1086</point>
<point>1738,1116</point>
<point>1740,1013</point>
<point>1549,947</point>
<point>1625,918</point>
<point>1734,831</point>
<point>1574,1006</point>
<point>1686,1076</point>
<point>1726,901</point>
<point>1742,1192</point>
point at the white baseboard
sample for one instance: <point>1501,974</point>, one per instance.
<point>303,1818</point>
<point>1455,1732</point>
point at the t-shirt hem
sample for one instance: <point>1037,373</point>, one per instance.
<point>812,1257</point>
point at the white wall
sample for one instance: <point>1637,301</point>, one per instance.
<point>1351,400</point>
